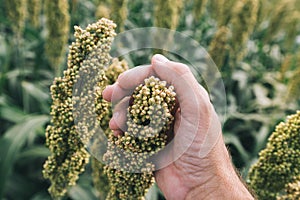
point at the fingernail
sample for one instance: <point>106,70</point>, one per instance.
<point>120,76</point>
<point>107,87</point>
<point>117,133</point>
<point>105,90</point>
<point>160,58</point>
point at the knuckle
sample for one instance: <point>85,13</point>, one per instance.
<point>181,68</point>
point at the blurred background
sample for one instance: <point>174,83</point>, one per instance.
<point>254,43</point>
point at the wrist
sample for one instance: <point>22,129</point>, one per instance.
<point>224,183</point>
<point>221,188</point>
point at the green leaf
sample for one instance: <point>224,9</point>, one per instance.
<point>234,140</point>
<point>78,193</point>
<point>20,186</point>
<point>12,142</point>
<point>12,114</point>
<point>152,194</point>
<point>35,91</point>
<point>41,195</point>
<point>32,153</point>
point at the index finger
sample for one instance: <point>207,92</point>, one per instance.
<point>127,82</point>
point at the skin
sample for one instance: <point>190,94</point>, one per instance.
<point>197,165</point>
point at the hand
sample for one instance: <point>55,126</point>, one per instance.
<point>197,165</point>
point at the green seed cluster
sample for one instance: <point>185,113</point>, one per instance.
<point>243,22</point>
<point>115,10</point>
<point>103,108</point>
<point>104,114</point>
<point>88,56</point>
<point>34,10</point>
<point>169,16</point>
<point>292,191</point>
<point>279,163</point>
<point>58,27</point>
<point>79,113</point>
<point>199,8</point>
<point>119,13</point>
<point>16,14</point>
<point>219,46</point>
<point>149,118</point>
<point>222,11</point>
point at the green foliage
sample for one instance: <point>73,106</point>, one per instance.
<point>12,142</point>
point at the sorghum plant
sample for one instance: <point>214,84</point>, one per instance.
<point>68,149</point>
<point>148,120</point>
<point>79,114</point>
<point>244,17</point>
<point>115,10</point>
<point>34,10</point>
<point>292,190</point>
<point>279,163</point>
<point>119,13</point>
<point>58,23</point>
<point>219,47</point>
<point>16,14</point>
<point>199,8</point>
<point>167,13</point>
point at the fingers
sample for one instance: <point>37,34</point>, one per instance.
<point>172,72</point>
<point>118,121</point>
<point>190,94</point>
<point>114,93</point>
<point>127,82</point>
<point>132,78</point>
<point>177,74</point>
<point>195,109</point>
<point>192,97</point>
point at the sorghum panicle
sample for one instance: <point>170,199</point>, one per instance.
<point>58,27</point>
<point>16,13</point>
<point>243,22</point>
<point>167,13</point>
<point>103,109</point>
<point>280,13</point>
<point>66,140</point>
<point>199,8</point>
<point>219,46</point>
<point>149,118</point>
<point>222,11</point>
<point>292,190</point>
<point>34,10</point>
<point>119,13</point>
<point>279,162</point>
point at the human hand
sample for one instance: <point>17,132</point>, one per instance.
<point>197,164</point>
